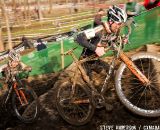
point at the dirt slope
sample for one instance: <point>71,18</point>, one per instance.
<point>49,118</point>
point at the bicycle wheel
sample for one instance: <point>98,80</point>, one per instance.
<point>26,112</point>
<point>76,110</point>
<point>141,99</point>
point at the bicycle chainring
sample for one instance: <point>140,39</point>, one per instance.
<point>98,100</point>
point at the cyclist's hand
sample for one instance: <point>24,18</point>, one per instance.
<point>100,51</point>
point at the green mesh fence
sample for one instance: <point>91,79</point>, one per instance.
<point>49,60</point>
<point>147,30</point>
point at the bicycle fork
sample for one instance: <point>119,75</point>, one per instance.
<point>20,94</point>
<point>132,67</point>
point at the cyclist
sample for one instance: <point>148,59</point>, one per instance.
<point>91,38</point>
<point>14,65</point>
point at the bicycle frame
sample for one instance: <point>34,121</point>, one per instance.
<point>121,56</point>
<point>118,54</point>
<point>21,96</point>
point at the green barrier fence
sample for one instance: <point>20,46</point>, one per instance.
<point>51,60</point>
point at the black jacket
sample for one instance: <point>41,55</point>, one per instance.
<point>89,45</point>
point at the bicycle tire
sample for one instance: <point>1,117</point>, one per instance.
<point>148,102</point>
<point>63,93</point>
<point>22,111</point>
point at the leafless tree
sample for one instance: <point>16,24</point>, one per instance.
<point>50,2</point>
<point>4,12</point>
<point>1,41</point>
<point>27,16</point>
<point>40,16</point>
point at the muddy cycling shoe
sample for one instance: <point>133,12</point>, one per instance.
<point>108,107</point>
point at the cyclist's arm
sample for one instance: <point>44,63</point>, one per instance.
<point>84,37</point>
<point>83,41</point>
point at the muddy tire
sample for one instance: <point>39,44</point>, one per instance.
<point>141,99</point>
<point>74,113</point>
<point>26,113</point>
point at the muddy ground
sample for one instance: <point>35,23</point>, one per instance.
<point>49,119</point>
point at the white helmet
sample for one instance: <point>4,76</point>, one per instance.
<point>117,14</point>
<point>13,55</point>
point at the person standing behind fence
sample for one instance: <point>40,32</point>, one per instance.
<point>133,8</point>
<point>151,19</point>
<point>26,43</point>
<point>98,18</point>
<point>149,4</point>
<point>42,51</point>
<point>40,45</point>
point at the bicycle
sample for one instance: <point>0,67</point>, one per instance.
<point>21,98</point>
<point>137,85</point>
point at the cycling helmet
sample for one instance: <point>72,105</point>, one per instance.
<point>116,14</point>
<point>13,55</point>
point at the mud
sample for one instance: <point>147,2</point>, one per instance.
<point>49,119</point>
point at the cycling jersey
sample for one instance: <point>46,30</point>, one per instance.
<point>89,40</point>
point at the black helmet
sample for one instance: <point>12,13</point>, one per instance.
<point>117,14</point>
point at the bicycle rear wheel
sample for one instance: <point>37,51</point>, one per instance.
<point>141,99</point>
<point>77,109</point>
<point>26,112</point>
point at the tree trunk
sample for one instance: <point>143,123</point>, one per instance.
<point>50,6</point>
<point>1,41</point>
<point>40,17</point>
<point>3,7</point>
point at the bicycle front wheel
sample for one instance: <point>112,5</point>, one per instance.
<point>77,108</point>
<point>27,109</point>
<point>141,99</point>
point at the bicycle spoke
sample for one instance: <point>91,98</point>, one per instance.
<point>155,76</point>
<point>149,69</point>
<point>81,110</point>
<point>141,96</point>
<point>134,87</point>
<point>156,98</point>
<point>155,89</point>
<point>151,73</point>
<point>142,66</point>
<point>145,99</point>
<point>136,92</point>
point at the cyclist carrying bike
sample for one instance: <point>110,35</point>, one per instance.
<point>91,38</point>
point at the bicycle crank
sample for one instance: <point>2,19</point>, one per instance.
<point>98,101</point>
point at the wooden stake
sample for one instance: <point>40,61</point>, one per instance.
<point>62,56</point>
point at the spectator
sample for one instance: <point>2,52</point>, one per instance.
<point>149,4</point>
<point>40,45</point>
<point>133,8</point>
<point>151,19</point>
<point>42,52</point>
<point>26,43</point>
<point>98,18</point>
